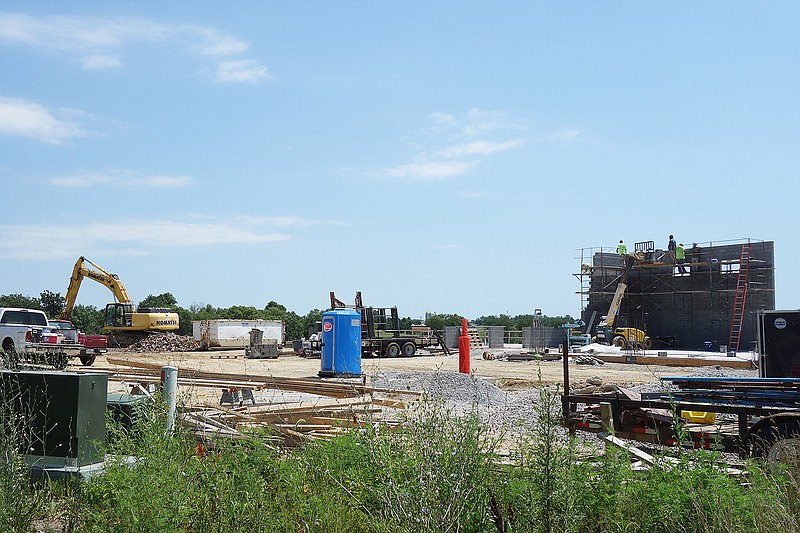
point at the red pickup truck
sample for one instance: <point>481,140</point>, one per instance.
<point>91,345</point>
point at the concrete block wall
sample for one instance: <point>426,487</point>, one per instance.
<point>451,334</point>
<point>496,336</point>
<point>549,337</point>
<point>684,312</point>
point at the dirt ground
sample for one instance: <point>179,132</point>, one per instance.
<point>507,374</point>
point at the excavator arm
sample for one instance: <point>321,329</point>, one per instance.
<point>100,275</point>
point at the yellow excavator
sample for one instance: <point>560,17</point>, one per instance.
<point>123,320</point>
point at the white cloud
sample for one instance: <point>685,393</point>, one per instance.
<point>120,178</point>
<point>101,41</point>
<point>286,221</point>
<point>432,170</point>
<point>455,159</point>
<point>29,119</point>
<point>24,242</point>
<point>79,34</point>
<point>481,121</point>
<point>242,70</point>
<point>442,118</point>
<point>100,62</point>
<point>479,148</point>
<point>565,135</point>
<point>215,43</point>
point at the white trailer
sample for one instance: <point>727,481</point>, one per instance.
<point>224,333</point>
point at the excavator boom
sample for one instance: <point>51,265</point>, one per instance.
<point>100,275</point>
<point>120,316</point>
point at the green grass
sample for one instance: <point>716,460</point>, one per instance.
<point>438,474</point>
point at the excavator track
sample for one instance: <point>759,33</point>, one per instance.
<point>126,339</point>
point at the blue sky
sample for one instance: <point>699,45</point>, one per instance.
<point>451,157</point>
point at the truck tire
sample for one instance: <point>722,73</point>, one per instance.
<point>58,360</point>
<point>10,359</point>
<point>779,445</point>
<point>87,360</point>
<point>647,343</point>
<point>619,341</point>
<point>391,350</point>
<point>409,349</point>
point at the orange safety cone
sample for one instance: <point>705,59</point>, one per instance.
<point>463,348</point>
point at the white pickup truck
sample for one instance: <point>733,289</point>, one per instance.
<point>27,338</point>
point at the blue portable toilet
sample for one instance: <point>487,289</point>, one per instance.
<point>341,343</point>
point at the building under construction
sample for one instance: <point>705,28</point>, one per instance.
<point>709,302</point>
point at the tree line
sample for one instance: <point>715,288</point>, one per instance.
<point>89,319</point>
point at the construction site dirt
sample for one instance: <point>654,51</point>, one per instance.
<point>218,390</point>
<point>503,373</point>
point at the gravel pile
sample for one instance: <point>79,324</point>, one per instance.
<point>463,394</point>
<point>164,342</point>
<point>515,410</point>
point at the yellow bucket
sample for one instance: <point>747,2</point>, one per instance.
<point>699,416</point>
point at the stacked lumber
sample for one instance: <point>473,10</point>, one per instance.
<point>332,407</point>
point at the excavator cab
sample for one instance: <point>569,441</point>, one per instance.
<point>118,315</point>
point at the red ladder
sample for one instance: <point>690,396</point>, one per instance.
<point>740,299</point>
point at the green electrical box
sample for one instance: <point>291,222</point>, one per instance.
<point>60,417</point>
<point>127,409</point>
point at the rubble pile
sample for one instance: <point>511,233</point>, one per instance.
<point>164,342</point>
<point>588,360</point>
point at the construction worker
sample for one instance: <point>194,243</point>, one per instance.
<point>621,248</point>
<point>680,258</point>
<point>671,250</point>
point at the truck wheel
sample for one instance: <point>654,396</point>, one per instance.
<point>647,343</point>
<point>59,360</point>
<point>409,349</point>
<point>619,341</point>
<point>779,446</point>
<point>10,358</point>
<point>87,360</point>
<point>391,350</point>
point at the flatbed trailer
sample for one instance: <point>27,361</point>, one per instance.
<point>753,417</point>
<point>380,333</point>
<point>400,343</point>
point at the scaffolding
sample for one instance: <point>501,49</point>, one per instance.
<point>689,306</point>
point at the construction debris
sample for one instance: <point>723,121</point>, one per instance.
<point>588,360</point>
<point>327,409</point>
<point>532,356</point>
<point>164,342</point>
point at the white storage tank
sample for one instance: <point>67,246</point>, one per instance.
<point>223,333</point>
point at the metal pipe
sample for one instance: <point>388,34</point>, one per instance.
<point>169,393</point>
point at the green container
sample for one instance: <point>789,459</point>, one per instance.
<point>61,416</point>
<point>126,409</point>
